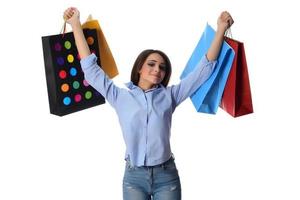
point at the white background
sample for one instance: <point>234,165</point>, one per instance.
<point>80,156</point>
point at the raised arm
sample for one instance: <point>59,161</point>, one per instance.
<point>206,65</point>
<point>224,22</point>
<point>71,15</point>
<point>93,74</point>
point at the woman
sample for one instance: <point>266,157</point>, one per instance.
<point>145,111</point>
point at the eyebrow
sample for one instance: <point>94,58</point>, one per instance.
<point>157,61</point>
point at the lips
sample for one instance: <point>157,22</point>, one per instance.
<point>156,76</point>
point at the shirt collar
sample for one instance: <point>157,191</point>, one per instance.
<point>131,86</point>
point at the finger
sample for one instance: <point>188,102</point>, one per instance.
<point>65,16</point>
<point>75,11</point>
<point>67,12</point>
<point>225,14</point>
<point>229,20</point>
<point>70,15</point>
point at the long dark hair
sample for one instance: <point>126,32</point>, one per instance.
<point>135,76</point>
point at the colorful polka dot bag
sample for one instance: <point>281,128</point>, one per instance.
<point>68,91</point>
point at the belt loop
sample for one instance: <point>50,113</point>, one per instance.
<point>163,166</point>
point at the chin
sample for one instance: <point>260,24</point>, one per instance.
<point>156,82</point>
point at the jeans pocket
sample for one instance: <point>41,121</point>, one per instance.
<point>170,165</point>
<point>128,166</point>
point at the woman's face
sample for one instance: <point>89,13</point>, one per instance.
<point>152,72</point>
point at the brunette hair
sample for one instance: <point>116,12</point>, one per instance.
<point>135,76</point>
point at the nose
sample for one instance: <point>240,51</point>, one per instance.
<point>156,68</point>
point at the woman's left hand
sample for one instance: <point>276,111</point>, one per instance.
<point>224,21</point>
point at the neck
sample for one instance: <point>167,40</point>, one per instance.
<point>145,86</point>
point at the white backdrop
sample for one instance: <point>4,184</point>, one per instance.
<point>80,156</point>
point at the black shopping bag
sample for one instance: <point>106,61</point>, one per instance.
<point>68,91</point>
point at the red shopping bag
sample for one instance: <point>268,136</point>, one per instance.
<point>236,99</point>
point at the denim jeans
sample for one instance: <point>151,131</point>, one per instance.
<point>159,182</point>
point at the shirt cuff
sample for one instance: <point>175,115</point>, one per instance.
<point>206,62</point>
<point>88,61</point>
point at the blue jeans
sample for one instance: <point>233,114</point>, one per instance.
<point>159,182</point>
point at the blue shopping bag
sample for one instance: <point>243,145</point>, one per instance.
<point>207,97</point>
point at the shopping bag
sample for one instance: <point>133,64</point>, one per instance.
<point>108,63</point>
<point>207,97</point>
<point>68,91</point>
<point>236,99</point>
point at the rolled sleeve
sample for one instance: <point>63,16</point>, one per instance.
<point>193,80</point>
<point>88,61</point>
<point>97,78</point>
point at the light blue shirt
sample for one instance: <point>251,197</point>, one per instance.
<point>145,116</point>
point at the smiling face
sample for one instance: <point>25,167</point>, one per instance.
<point>152,72</point>
<point>144,65</point>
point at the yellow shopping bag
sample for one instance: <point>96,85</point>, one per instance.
<point>108,63</point>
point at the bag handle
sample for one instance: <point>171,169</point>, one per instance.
<point>228,33</point>
<point>63,28</point>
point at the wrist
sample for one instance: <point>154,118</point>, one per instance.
<point>220,33</point>
<point>221,30</point>
<point>75,24</point>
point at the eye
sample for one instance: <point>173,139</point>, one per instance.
<point>162,67</point>
<point>151,64</point>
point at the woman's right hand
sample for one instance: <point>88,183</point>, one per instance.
<point>71,15</point>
